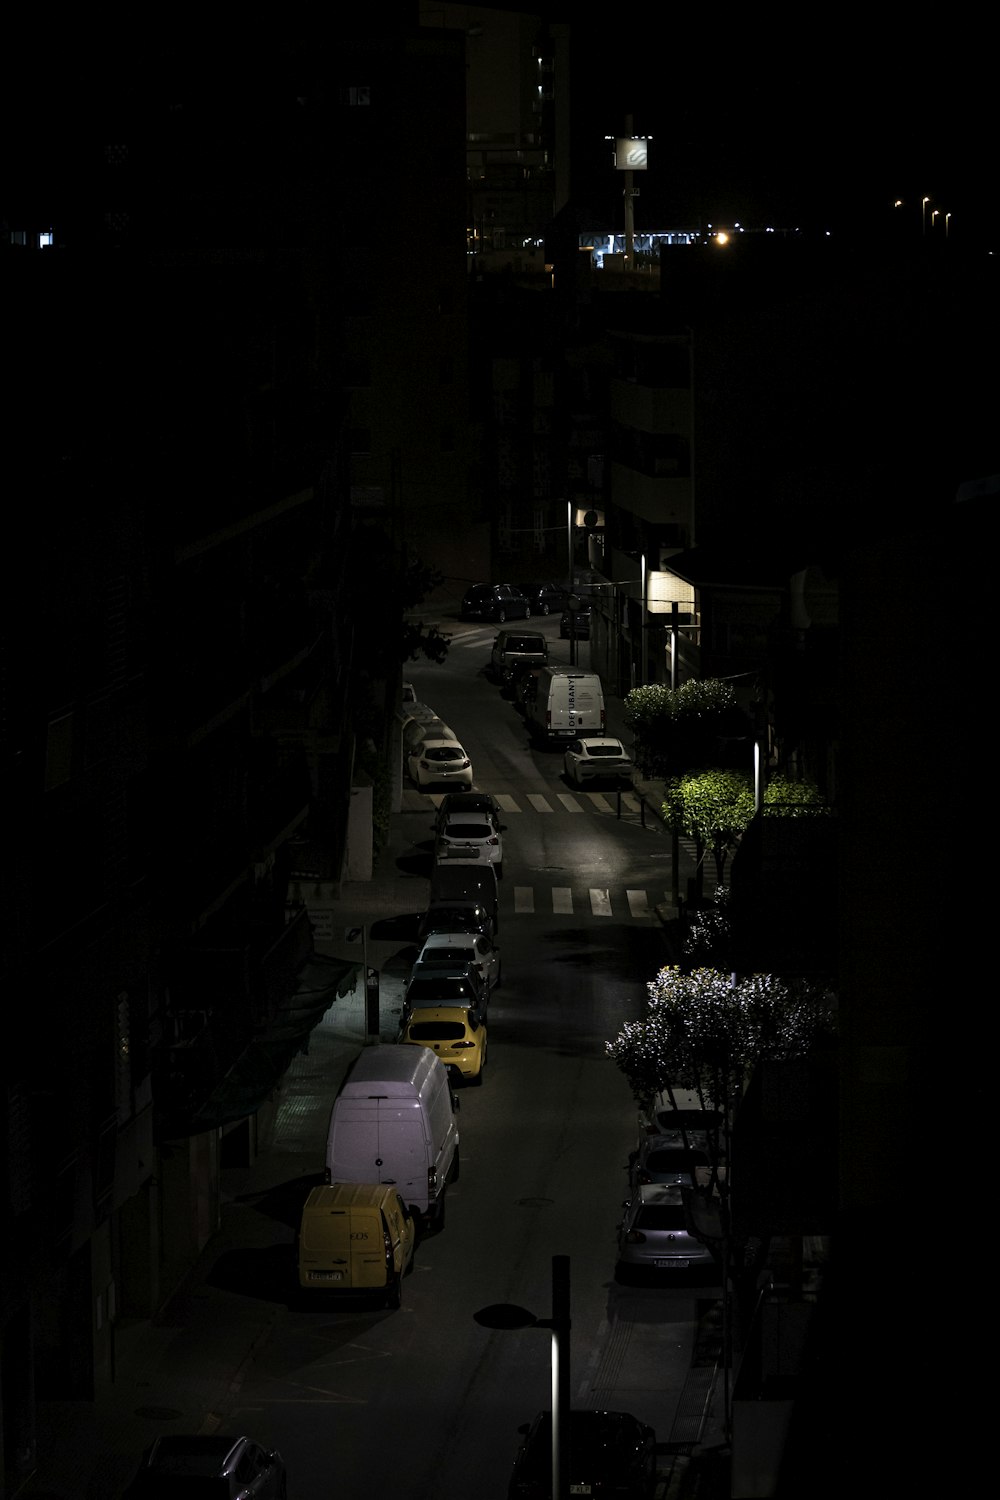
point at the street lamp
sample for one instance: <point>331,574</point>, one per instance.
<point>508,1316</point>
<point>923,215</point>
<point>934,214</point>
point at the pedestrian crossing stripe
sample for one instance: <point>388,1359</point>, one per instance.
<point>561,901</point>
<point>573,802</point>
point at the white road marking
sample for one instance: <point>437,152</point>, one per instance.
<point>600,903</point>
<point>562,900</point>
<point>524,898</point>
<point>637,903</point>
<point>569,803</point>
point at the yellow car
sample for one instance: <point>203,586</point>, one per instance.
<point>457,1033</point>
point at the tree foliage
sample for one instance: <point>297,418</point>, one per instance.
<point>697,724</point>
<point>715,807</point>
<point>707,1031</point>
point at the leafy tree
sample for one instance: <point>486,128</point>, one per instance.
<point>707,1031</point>
<point>714,807</point>
<point>696,724</point>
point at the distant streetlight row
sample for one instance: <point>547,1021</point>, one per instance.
<point>936,213</point>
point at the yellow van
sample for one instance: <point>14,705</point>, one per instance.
<point>356,1237</point>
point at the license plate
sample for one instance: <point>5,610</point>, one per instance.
<point>673,1264</point>
<point>579,1489</point>
<point>326,1275</point>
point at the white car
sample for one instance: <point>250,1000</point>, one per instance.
<point>470,838</point>
<point>597,758</point>
<point>445,949</point>
<point>439,762</point>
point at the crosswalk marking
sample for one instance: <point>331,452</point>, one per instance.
<point>603,803</point>
<point>524,899</point>
<point>600,903</point>
<point>637,903</point>
<point>562,900</point>
<point>569,803</point>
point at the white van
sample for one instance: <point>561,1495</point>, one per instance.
<point>565,704</point>
<point>393,1121</point>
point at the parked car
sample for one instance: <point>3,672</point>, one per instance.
<point>466,802</point>
<point>470,838</point>
<point>439,761</point>
<point>678,1109</point>
<point>514,648</point>
<point>458,916</point>
<point>424,726</point>
<point>445,950</point>
<point>356,1238</point>
<point>495,601</point>
<point>455,1033</point>
<point>208,1465</point>
<point>653,1236</point>
<point>576,623</point>
<point>670,1159</point>
<point>544,597</point>
<point>610,1453</point>
<point>597,758</point>
<point>431,984</point>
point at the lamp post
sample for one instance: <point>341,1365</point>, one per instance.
<point>508,1316</point>
<point>923,215</point>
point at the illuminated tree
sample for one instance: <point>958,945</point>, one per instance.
<point>707,1031</point>
<point>715,807</point>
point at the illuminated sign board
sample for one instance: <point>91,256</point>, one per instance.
<point>630,153</point>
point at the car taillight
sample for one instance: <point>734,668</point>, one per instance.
<point>643,1177</point>
<point>456,1045</point>
<point>636,1237</point>
<point>387,1243</point>
<point>493,839</point>
<point>432,1180</point>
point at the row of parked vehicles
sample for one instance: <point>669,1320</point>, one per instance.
<point>562,706</point>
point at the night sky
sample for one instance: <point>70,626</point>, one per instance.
<point>792,121</point>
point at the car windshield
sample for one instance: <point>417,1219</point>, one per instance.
<point>436,1031</point>
<point>441,989</point>
<point>604,750</point>
<point>660,1216</point>
<point>443,752</point>
<point>167,1486</point>
<point>457,918</point>
<point>524,643</point>
<point>467,831</point>
<point>447,958</point>
<point>675,1161</point>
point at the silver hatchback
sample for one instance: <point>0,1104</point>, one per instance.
<point>653,1236</point>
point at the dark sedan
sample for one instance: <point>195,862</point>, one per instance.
<point>575,622</point>
<point>208,1467</point>
<point>544,598</point>
<point>495,601</point>
<point>609,1453</point>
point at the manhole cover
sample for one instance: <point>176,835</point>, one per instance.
<point>157,1413</point>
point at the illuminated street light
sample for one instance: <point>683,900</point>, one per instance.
<point>923,215</point>
<point>934,214</point>
<point>947,217</point>
<point>508,1316</point>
